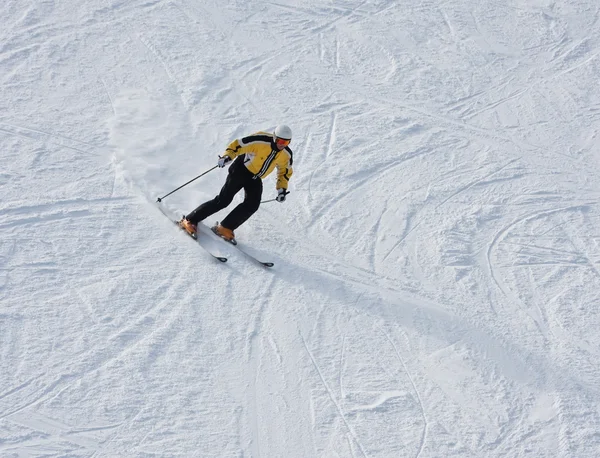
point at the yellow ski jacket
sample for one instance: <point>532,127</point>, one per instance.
<point>261,157</point>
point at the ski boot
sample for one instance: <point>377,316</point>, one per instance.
<point>190,228</point>
<point>224,233</point>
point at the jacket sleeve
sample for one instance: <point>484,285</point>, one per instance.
<point>284,173</point>
<point>233,150</point>
<point>239,147</point>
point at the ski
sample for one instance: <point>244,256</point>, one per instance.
<point>215,256</point>
<point>235,244</point>
<point>264,263</point>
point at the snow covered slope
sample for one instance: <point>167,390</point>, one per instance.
<point>437,264</point>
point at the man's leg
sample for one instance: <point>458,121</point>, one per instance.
<point>234,182</point>
<point>253,194</point>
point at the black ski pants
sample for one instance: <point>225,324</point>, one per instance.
<point>238,178</point>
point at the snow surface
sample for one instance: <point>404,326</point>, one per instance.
<point>437,263</point>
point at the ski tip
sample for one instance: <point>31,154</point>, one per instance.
<point>267,264</point>
<point>221,258</point>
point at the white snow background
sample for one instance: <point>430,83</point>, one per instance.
<point>437,263</point>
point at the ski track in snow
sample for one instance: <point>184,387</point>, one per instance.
<point>436,272</point>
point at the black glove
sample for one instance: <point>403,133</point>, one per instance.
<point>281,193</point>
<point>223,160</point>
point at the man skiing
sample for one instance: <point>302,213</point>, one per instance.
<point>256,156</point>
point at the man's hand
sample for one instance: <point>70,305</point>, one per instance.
<point>223,160</point>
<point>281,193</point>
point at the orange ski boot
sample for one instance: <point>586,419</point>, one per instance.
<point>190,228</point>
<point>224,233</point>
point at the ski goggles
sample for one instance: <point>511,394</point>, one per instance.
<point>282,142</point>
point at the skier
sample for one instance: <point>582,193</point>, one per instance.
<point>255,157</point>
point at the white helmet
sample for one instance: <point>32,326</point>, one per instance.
<point>283,131</point>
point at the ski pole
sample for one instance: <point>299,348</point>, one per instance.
<point>193,179</point>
